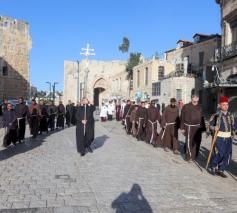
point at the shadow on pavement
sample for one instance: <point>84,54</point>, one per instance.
<point>99,141</point>
<point>29,144</point>
<point>202,160</point>
<point>133,201</point>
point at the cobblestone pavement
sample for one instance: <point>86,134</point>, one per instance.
<point>121,175</point>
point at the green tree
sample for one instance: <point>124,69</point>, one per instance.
<point>124,47</point>
<point>133,61</point>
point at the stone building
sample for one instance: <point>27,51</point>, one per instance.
<point>106,80</point>
<point>147,77</point>
<point>15,45</point>
<point>192,62</point>
<point>228,52</point>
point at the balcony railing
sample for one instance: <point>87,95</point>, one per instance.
<point>229,51</point>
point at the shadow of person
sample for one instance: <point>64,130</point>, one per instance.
<point>133,201</point>
<point>99,141</point>
<point>20,148</point>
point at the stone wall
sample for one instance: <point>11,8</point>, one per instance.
<point>111,72</point>
<point>15,45</point>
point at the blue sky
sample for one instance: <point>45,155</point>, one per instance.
<point>60,28</point>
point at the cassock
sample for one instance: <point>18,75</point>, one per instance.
<point>43,127</point>
<point>73,116</point>
<point>52,110</point>
<point>118,112</point>
<point>126,117</point>
<point>22,112</point>
<point>69,113</point>
<point>170,124</point>
<point>141,119</point>
<point>192,122</point>
<point>85,133</point>
<point>153,118</point>
<point>10,125</point>
<point>133,121</point>
<point>61,114</point>
<point>34,119</point>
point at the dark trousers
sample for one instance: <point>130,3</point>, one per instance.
<point>222,155</point>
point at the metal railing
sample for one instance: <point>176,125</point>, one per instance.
<point>229,51</point>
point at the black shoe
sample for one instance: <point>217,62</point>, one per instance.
<point>82,154</point>
<point>211,171</point>
<point>221,174</point>
<point>89,149</point>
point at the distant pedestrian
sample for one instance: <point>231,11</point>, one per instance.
<point>33,118</point>
<point>10,125</point>
<point>52,111</point>
<point>110,110</point>
<point>22,112</point>
<point>118,111</point>
<point>60,115</point>
<point>43,113</point>
<point>103,113</point>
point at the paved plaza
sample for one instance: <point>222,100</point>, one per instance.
<point>122,175</point>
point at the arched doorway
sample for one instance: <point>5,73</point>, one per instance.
<point>100,91</point>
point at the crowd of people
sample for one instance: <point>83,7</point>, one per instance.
<point>40,117</point>
<point>43,117</point>
<point>143,120</point>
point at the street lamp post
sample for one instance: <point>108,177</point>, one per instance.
<point>49,88</point>
<point>78,89</point>
<point>87,52</point>
<point>54,85</point>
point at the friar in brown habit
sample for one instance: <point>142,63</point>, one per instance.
<point>133,120</point>
<point>170,122</point>
<point>153,118</point>
<point>192,126</point>
<point>141,119</point>
<point>126,117</point>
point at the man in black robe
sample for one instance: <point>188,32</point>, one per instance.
<point>43,127</point>
<point>22,112</point>
<point>69,112</point>
<point>10,125</point>
<point>73,115</point>
<point>85,127</point>
<point>61,114</point>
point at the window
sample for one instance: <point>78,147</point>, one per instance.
<point>156,89</point>
<point>233,26</point>
<point>179,94</point>
<point>138,78</point>
<point>146,77</point>
<point>201,58</point>
<point>5,71</point>
<point>179,67</point>
<point>161,72</point>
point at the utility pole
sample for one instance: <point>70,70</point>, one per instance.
<point>87,52</point>
<point>78,82</point>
